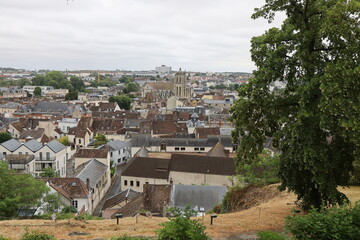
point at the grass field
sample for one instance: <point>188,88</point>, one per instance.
<point>266,216</point>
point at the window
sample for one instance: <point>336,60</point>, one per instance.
<point>119,151</point>
<point>74,203</point>
<point>196,149</point>
<point>124,150</point>
<point>111,154</point>
<point>177,149</point>
<point>163,146</point>
<point>27,153</point>
<point>146,182</point>
<point>20,153</point>
<point>202,149</point>
<point>4,153</point>
<point>48,156</point>
<point>79,141</point>
<point>131,183</point>
<point>125,182</point>
<point>182,149</point>
<point>41,156</point>
<point>138,183</point>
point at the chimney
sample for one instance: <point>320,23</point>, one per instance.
<point>88,183</point>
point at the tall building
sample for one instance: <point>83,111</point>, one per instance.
<point>163,69</point>
<point>180,88</point>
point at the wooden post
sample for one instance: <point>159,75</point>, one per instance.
<point>259,213</point>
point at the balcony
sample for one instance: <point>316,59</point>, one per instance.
<point>45,159</point>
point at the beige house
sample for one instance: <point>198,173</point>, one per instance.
<point>179,169</point>
<point>96,176</point>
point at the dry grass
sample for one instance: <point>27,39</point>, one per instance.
<point>266,216</point>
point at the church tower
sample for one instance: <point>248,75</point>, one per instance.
<point>180,85</point>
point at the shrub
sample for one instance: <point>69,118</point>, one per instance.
<point>4,238</point>
<point>69,209</point>
<point>332,223</point>
<point>35,235</point>
<point>181,227</point>
<point>270,235</point>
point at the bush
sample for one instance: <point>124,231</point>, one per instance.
<point>87,216</point>
<point>4,238</point>
<point>35,235</point>
<point>181,227</point>
<point>333,223</point>
<point>69,209</point>
<point>270,235</point>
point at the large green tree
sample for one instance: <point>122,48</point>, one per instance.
<point>18,191</point>
<point>123,101</point>
<point>4,136</point>
<point>314,121</point>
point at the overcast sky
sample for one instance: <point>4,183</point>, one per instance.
<point>197,35</point>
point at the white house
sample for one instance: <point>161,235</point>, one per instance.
<point>66,123</point>
<point>120,151</point>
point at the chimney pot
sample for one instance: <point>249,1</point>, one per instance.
<point>88,183</point>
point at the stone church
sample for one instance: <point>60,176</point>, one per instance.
<point>178,87</point>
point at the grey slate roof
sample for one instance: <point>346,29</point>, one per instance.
<point>33,145</point>
<point>11,105</point>
<point>146,140</point>
<point>56,146</point>
<point>117,144</point>
<point>53,107</point>
<point>11,145</point>
<point>93,170</point>
<point>197,195</point>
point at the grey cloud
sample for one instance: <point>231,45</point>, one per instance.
<point>199,35</point>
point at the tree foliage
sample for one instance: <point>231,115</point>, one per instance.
<point>123,101</point>
<point>64,140</point>
<point>131,87</point>
<point>181,227</point>
<point>18,191</point>
<point>37,91</point>
<point>334,223</point>
<point>314,121</point>
<point>48,172</point>
<point>100,139</point>
<point>4,136</point>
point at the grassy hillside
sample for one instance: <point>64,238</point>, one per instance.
<point>268,213</point>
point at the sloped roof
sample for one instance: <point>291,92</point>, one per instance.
<point>217,150</point>
<point>33,145</point>
<point>91,153</point>
<point>120,197</point>
<point>35,134</point>
<point>118,144</point>
<point>93,170</point>
<point>147,141</point>
<point>70,186</point>
<point>204,132</point>
<point>161,85</point>
<point>55,146</point>
<point>202,164</point>
<point>148,168</point>
<point>197,195</point>
<point>11,145</point>
<point>143,152</point>
<point>54,107</point>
